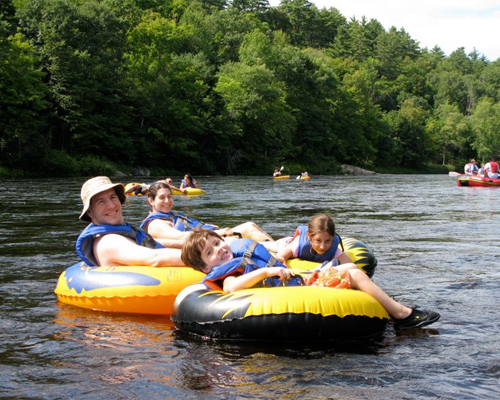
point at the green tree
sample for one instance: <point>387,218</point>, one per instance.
<point>409,134</point>
<point>447,128</point>
<point>456,80</point>
<point>7,15</point>
<point>23,139</point>
<point>329,22</point>
<point>485,123</point>
<point>256,6</point>
<point>365,137</point>
<point>219,35</point>
<point>357,39</point>
<point>392,49</point>
<point>314,138</point>
<point>491,78</point>
<point>171,92</point>
<point>81,45</point>
<point>255,103</point>
<point>303,17</point>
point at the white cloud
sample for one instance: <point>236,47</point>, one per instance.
<point>449,24</point>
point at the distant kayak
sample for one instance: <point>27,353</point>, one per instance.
<point>281,177</point>
<point>190,191</point>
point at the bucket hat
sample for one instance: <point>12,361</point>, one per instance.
<point>97,185</point>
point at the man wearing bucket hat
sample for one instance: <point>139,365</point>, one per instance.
<point>108,240</point>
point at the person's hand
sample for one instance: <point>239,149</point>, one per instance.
<point>225,232</point>
<point>284,274</point>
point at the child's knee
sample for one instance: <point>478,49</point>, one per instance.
<point>357,274</point>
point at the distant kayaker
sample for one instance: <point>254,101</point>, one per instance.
<point>471,168</point>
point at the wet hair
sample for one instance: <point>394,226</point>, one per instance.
<point>193,246</point>
<point>321,223</point>
<point>155,187</point>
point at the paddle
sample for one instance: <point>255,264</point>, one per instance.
<point>453,173</point>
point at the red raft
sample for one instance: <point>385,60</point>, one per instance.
<point>477,181</point>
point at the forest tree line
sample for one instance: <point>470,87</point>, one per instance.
<point>232,87</point>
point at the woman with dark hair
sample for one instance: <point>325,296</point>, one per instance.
<point>163,223</point>
<point>188,182</point>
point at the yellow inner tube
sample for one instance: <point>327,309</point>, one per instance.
<point>143,290</point>
<point>190,192</point>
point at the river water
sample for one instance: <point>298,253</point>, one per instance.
<point>436,245</point>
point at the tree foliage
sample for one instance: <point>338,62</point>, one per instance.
<point>22,103</point>
<point>237,86</point>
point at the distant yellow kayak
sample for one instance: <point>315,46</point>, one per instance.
<point>281,177</point>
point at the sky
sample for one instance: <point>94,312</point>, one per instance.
<point>449,24</point>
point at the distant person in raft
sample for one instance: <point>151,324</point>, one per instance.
<point>108,240</point>
<point>244,264</point>
<point>188,182</point>
<point>471,168</point>
<point>277,172</point>
<point>163,223</point>
<point>303,175</point>
<point>316,242</point>
<point>170,183</point>
<point>480,171</point>
<point>491,169</point>
<point>139,189</point>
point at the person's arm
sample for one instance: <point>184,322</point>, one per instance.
<point>232,283</point>
<point>284,254</point>
<point>162,229</point>
<point>184,191</point>
<point>344,258</point>
<point>291,250</point>
<point>117,250</point>
<point>223,232</point>
<point>171,243</point>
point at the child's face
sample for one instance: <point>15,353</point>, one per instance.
<point>320,241</point>
<point>215,252</point>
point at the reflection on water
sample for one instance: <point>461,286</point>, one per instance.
<point>436,247</point>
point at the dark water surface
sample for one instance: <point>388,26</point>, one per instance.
<point>437,247</point>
